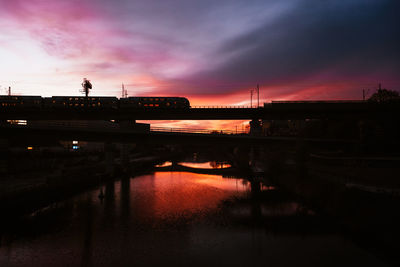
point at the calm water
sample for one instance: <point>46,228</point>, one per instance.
<point>181,219</point>
<point>203,165</point>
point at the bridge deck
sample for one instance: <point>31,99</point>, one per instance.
<point>269,111</point>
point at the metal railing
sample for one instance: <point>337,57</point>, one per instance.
<point>316,101</point>
<point>105,125</point>
<point>209,107</point>
<point>192,130</point>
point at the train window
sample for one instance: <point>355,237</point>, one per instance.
<point>145,105</point>
<point>168,104</point>
<point>82,105</point>
<point>93,105</point>
<point>70,98</point>
<point>76,98</point>
<point>156,99</point>
<point>76,105</point>
<point>156,105</point>
<point>55,101</point>
<point>151,99</point>
<point>70,104</point>
<point>161,99</point>
<point>151,105</point>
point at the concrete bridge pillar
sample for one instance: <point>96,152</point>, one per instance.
<point>255,127</point>
<point>109,158</point>
<point>4,151</point>
<point>124,156</point>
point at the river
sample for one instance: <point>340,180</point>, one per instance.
<point>179,219</point>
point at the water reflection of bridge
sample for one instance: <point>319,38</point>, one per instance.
<point>175,167</point>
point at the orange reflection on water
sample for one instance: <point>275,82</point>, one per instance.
<point>206,165</point>
<point>173,195</point>
<point>165,164</point>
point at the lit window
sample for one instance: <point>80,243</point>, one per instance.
<point>29,148</point>
<point>74,142</point>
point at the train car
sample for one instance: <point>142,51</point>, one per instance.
<point>80,102</point>
<point>30,102</point>
<point>153,102</point>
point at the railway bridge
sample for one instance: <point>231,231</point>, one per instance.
<point>277,110</point>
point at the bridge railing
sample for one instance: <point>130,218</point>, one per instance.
<point>218,106</point>
<point>192,130</point>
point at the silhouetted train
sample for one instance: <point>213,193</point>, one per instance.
<point>93,102</point>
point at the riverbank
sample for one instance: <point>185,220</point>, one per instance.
<point>342,190</point>
<point>21,194</point>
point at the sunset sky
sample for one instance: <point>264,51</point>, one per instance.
<point>212,52</point>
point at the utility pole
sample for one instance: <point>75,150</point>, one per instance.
<point>124,92</point>
<point>258,95</point>
<point>251,98</point>
<point>9,90</point>
<point>365,93</point>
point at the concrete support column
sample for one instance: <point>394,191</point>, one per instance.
<point>109,158</point>
<point>124,156</point>
<point>255,127</point>
<point>4,152</point>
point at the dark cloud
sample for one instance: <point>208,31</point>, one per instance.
<point>337,39</point>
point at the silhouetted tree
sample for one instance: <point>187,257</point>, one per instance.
<point>384,95</point>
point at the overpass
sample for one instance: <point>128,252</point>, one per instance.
<point>274,110</point>
<point>30,135</point>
